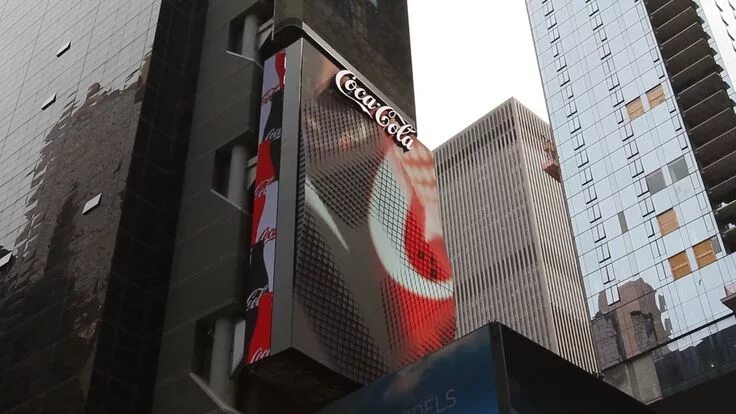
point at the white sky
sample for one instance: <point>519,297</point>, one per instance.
<point>469,56</point>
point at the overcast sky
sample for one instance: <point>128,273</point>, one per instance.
<point>468,57</point>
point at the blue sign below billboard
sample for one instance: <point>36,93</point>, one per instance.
<point>459,378</point>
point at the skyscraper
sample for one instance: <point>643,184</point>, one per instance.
<point>508,234</point>
<point>640,102</point>
<point>94,109</point>
<point>140,267</point>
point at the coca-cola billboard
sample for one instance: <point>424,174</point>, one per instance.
<point>259,285</point>
<point>366,286</point>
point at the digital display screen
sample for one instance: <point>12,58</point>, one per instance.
<point>259,284</point>
<point>368,287</point>
<point>372,281</point>
<point>458,379</point>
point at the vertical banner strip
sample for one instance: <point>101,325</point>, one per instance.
<point>259,293</point>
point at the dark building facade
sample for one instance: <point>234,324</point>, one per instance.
<point>128,146</point>
<point>94,120</point>
<point>372,35</point>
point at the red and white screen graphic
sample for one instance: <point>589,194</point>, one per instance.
<point>259,299</point>
<point>372,281</point>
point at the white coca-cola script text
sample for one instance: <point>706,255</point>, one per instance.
<point>402,132</point>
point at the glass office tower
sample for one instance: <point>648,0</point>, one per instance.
<point>639,98</point>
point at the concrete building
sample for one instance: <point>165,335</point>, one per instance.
<point>640,99</point>
<point>508,232</point>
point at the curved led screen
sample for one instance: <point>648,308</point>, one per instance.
<point>370,289</point>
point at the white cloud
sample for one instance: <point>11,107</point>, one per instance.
<point>470,56</point>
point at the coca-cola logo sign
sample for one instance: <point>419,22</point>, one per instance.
<point>254,298</point>
<point>268,234</point>
<point>262,187</point>
<point>259,355</point>
<point>387,117</point>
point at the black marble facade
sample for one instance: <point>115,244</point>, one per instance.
<point>373,35</point>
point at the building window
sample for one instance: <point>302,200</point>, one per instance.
<point>548,8</point>
<point>594,213</point>
<point>65,48</point>
<point>592,7</point>
<point>631,149</point>
<point>603,253</point>
<point>607,275</point>
<point>655,96</point>
<point>587,175</point>
<point>641,187</point>
<point>680,265</point>
<point>622,222</point>
<point>635,108</point>
<point>560,63</point>
<point>646,206</point>
<point>613,82</point>
<point>704,253</point>
<point>650,228</point>
<point>671,105</point>
<point>655,182</point>
<point>599,233</point>
<point>676,123</point>
<point>636,168</point>
<point>574,124</point>
<point>597,21</point>
<point>655,56</point>
<point>235,37</point>
<point>555,50</point>
<point>569,93</point>
<point>551,21</point>
<point>620,115</point>
<point>578,141</point>
<point>582,158</point>
<point>678,169</point>
<point>612,295</point>
<point>590,195</point>
<point>554,35</point>
<point>626,132</point>
<point>617,97</point>
<point>48,102</point>
<point>564,77</point>
<point>668,222</point>
<point>657,248</point>
<point>608,66</point>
